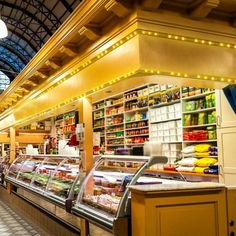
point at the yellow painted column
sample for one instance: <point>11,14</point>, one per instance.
<point>85,117</point>
<point>12,144</point>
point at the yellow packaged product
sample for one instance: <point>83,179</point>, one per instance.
<point>202,147</point>
<point>205,162</point>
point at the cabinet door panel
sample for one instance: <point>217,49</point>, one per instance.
<point>187,220</point>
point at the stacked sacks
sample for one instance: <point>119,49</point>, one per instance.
<point>192,163</point>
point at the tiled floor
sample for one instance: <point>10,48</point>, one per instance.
<point>13,224</point>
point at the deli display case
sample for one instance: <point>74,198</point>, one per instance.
<point>56,178</point>
<point>104,199</point>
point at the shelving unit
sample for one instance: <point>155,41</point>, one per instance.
<point>157,113</point>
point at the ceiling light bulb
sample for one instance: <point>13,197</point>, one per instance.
<point>3,29</point>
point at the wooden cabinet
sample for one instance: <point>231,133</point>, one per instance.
<point>179,212</point>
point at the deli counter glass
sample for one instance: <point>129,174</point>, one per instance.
<point>58,178</point>
<point>104,199</point>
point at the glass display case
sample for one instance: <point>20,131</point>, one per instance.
<point>57,178</point>
<point>104,198</point>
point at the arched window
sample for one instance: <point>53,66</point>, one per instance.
<point>4,81</point>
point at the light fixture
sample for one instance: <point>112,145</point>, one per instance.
<point>3,29</point>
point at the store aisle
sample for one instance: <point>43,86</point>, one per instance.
<point>13,224</point>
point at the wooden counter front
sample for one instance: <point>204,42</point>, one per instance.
<point>186,209</point>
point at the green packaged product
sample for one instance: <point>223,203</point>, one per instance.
<point>211,117</point>
<point>187,120</point>
<point>211,130</point>
<point>202,118</point>
<point>190,106</point>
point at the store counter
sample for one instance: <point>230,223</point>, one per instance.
<point>177,209</point>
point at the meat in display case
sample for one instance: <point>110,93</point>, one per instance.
<point>55,177</point>
<point>104,199</point>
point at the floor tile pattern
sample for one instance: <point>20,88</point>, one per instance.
<point>13,224</point>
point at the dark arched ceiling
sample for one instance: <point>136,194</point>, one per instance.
<point>30,24</point>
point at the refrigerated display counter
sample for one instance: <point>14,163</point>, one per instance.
<point>56,178</point>
<point>104,199</point>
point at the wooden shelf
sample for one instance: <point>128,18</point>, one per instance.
<point>112,132</point>
<point>98,109</point>
<point>143,127</point>
<point>117,114</point>
<point>30,131</point>
<point>137,109</point>
<point>162,121</point>
<point>117,104</point>
<point>115,138</point>
<point>201,95</point>
<point>135,121</point>
<point>164,104</point>
<point>114,124</point>
<point>183,173</point>
<point>199,110</point>
<point>136,135</point>
<point>200,141</point>
<point>198,126</point>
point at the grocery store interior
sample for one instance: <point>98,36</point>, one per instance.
<point>118,117</point>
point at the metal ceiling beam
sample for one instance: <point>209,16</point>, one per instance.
<point>26,12</point>
<point>14,51</point>
<point>27,41</point>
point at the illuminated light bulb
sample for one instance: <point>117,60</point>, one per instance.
<point>176,37</point>
<point>185,75</point>
<point>143,32</point>
<point>196,40</point>
<point>156,34</point>
<point>133,72</point>
<point>125,76</point>
<point>234,46</point>
<point>212,78</point>
<point>203,41</point>
<point>205,77</point>
<point>117,44</point>
<point>221,44</point>
<point>210,43</point>
<point>198,76</point>
<point>169,36</point>
<point>158,72</point>
<point>228,45</point>
<point>178,74</point>
<point>127,37</point>
<point>146,71</point>
<point>172,73</point>
<point>229,80</point>
<point>121,41</point>
<point>114,46</point>
<point>183,38</point>
<point>135,32</point>
<point>131,35</point>
<point>98,56</point>
<point>152,71</point>
<point>149,33</point>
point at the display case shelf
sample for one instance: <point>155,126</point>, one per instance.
<point>99,118</point>
<point>98,127</point>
